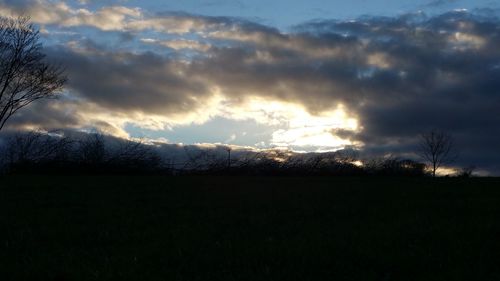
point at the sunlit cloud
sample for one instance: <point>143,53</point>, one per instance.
<point>179,44</point>
<point>107,18</point>
<point>464,41</point>
<point>296,127</point>
<point>60,13</point>
<point>379,60</point>
<point>306,130</point>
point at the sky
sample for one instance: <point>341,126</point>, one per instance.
<point>309,76</point>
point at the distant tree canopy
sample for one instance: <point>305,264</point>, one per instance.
<point>24,74</point>
<point>53,152</point>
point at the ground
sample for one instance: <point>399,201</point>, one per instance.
<point>254,228</point>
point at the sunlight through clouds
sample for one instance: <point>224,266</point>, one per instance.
<point>464,41</point>
<point>293,127</point>
<point>296,127</point>
<point>306,130</point>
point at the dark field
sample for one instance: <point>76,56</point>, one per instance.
<point>233,228</point>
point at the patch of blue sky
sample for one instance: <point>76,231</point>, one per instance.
<point>286,13</point>
<point>217,130</point>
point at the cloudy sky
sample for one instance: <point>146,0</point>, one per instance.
<point>311,75</point>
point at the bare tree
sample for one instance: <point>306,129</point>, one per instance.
<point>228,150</point>
<point>92,150</point>
<point>24,75</point>
<point>134,155</point>
<point>466,172</point>
<point>437,148</point>
<point>26,150</point>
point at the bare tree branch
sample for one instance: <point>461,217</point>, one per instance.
<point>24,75</point>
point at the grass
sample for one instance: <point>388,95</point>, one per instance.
<point>235,228</point>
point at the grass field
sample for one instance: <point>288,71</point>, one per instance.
<point>234,228</point>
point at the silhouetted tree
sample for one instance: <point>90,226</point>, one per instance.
<point>196,159</point>
<point>437,148</point>
<point>36,151</point>
<point>466,172</point>
<point>24,75</point>
<point>133,156</point>
<point>91,151</point>
<point>228,149</point>
<point>41,151</point>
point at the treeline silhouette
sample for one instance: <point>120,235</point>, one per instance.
<point>94,153</point>
<point>36,152</point>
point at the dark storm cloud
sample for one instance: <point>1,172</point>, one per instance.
<point>400,76</point>
<point>146,83</point>
<point>45,114</point>
<point>444,73</point>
